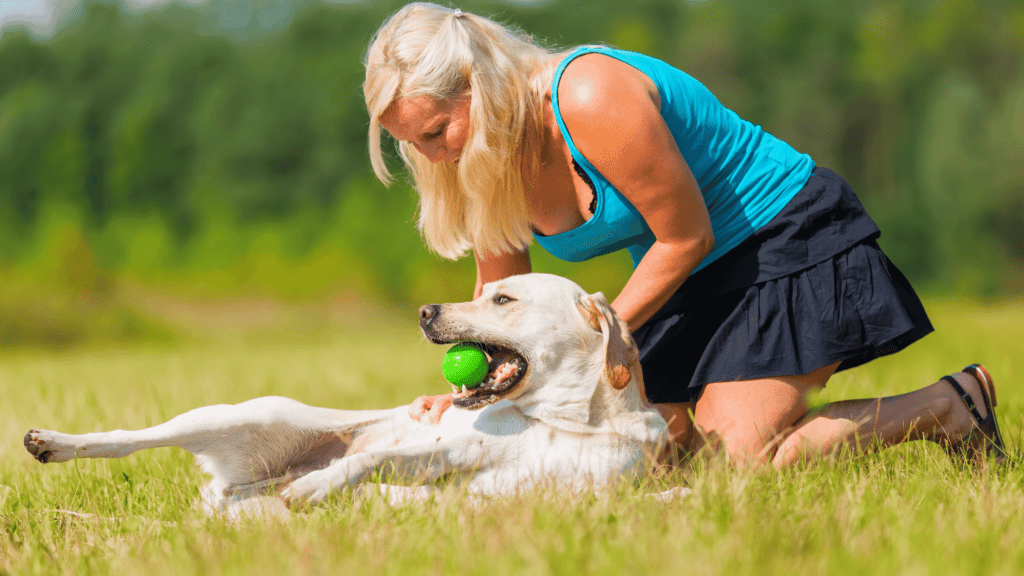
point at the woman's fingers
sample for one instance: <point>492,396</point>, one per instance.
<point>431,406</point>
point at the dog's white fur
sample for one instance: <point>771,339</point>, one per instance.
<point>576,419</point>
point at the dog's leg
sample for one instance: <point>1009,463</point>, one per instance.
<point>233,439</point>
<point>422,463</point>
<point>190,430</point>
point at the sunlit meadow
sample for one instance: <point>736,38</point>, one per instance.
<point>906,510</point>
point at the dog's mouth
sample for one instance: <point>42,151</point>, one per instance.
<point>505,369</point>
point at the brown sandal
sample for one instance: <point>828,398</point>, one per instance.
<point>984,440</point>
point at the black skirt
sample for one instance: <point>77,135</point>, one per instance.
<point>809,289</point>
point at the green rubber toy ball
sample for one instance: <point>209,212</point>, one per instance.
<point>464,365</point>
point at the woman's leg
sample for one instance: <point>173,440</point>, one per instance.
<point>767,421</point>
<point>934,412</point>
<point>679,416</point>
<point>745,418</point>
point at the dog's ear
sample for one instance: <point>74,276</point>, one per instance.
<point>620,354</point>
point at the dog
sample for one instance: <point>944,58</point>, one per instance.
<point>562,404</point>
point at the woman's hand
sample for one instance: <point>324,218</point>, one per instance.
<point>612,112</point>
<point>430,406</point>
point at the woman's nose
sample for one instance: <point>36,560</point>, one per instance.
<point>433,152</point>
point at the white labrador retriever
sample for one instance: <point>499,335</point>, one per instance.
<point>563,404</point>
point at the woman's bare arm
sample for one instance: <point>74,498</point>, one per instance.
<point>613,114</point>
<point>495,267</point>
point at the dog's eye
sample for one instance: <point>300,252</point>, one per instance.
<point>501,299</point>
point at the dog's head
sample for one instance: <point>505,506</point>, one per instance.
<point>552,347</point>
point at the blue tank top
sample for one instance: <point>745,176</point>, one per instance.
<point>746,175</point>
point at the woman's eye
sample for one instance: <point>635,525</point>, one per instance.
<point>438,133</point>
<point>502,299</point>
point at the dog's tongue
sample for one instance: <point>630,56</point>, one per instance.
<point>503,371</point>
<point>503,366</point>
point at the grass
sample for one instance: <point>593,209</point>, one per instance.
<point>905,510</point>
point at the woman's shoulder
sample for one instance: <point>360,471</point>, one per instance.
<point>591,82</point>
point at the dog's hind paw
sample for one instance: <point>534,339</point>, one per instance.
<point>48,446</point>
<point>677,493</point>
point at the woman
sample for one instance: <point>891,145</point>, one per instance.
<point>756,274</point>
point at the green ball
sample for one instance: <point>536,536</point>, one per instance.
<point>464,365</point>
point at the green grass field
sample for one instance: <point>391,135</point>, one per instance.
<point>906,510</point>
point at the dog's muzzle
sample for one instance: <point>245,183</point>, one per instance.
<point>506,365</point>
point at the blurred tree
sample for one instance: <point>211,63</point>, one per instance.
<point>225,143</point>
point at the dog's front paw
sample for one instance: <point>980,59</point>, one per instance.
<point>49,446</point>
<point>312,488</point>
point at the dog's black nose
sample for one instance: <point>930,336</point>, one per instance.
<point>427,314</point>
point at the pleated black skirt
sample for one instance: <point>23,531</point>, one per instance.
<point>809,289</point>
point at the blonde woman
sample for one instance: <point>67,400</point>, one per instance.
<point>757,275</point>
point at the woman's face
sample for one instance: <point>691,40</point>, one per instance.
<point>437,128</point>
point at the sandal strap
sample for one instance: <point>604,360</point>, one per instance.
<point>978,372</point>
<point>968,401</point>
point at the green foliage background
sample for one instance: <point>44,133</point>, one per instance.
<point>219,150</point>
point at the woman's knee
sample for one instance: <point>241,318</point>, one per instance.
<point>747,420</point>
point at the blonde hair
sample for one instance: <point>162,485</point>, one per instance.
<point>428,50</point>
